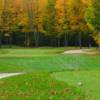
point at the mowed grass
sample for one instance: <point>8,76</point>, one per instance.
<point>90,81</point>
<point>51,63</point>
<point>29,52</point>
<point>37,86</point>
<point>40,64</point>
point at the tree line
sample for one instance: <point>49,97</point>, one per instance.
<point>50,23</point>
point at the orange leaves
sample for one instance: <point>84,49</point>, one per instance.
<point>69,13</point>
<point>77,19</point>
<point>86,2</point>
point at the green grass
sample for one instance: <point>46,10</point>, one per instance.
<point>90,81</point>
<point>37,86</point>
<point>50,63</point>
<point>29,52</point>
<point>43,63</point>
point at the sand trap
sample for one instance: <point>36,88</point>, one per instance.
<point>5,75</point>
<point>80,51</point>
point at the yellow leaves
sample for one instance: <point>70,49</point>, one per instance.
<point>74,27</point>
<point>77,15</point>
<point>1,4</point>
<point>22,20</point>
<point>86,2</point>
<point>90,26</point>
<point>98,41</point>
<point>71,2</point>
<point>74,13</point>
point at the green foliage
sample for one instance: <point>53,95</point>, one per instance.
<point>93,14</point>
<point>92,17</point>
<point>50,18</point>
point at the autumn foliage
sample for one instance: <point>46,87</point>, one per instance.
<point>53,18</point>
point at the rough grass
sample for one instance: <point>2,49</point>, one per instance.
<point>37,86</point>
<point>90,81</point>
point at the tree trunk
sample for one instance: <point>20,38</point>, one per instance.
<point>10,42</point>
<point>89,46</point>
<point>58,42</point>
<point>80,40</point>
<point>66,39</point>
<point>52,41</point>
<point>28,39</point>
<point>7,41</point>
<point>31,18</point>
<point>1,41</point>
<point>37,39</point>
<point>89,42</point>
<point>25,39</point>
